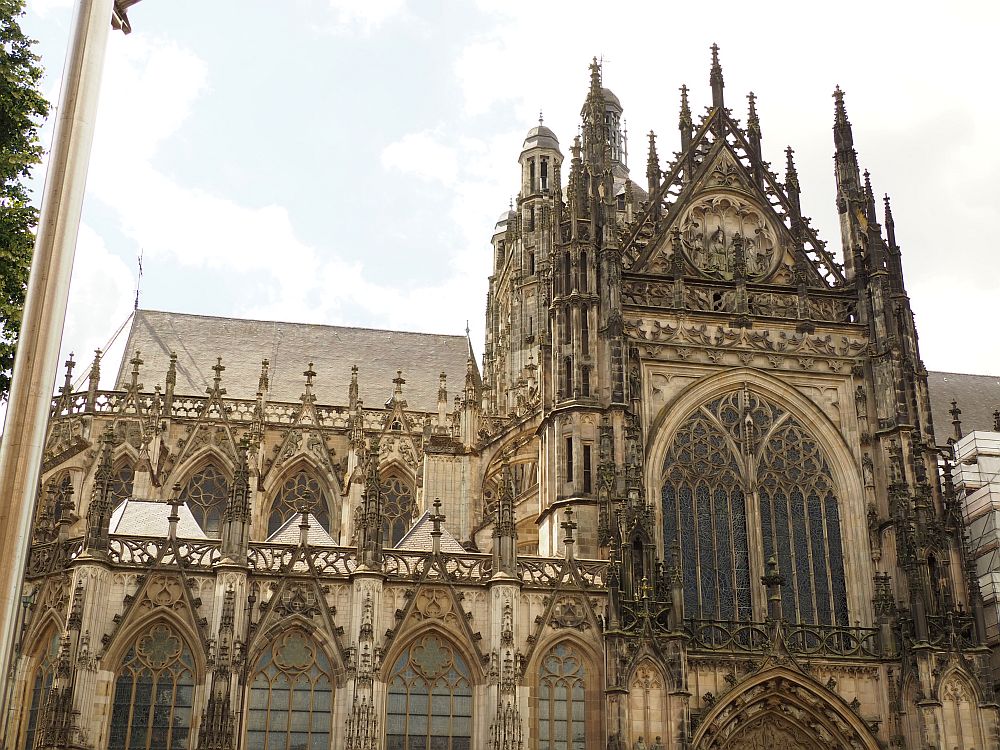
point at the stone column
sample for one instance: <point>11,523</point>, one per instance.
<point>45,307</point>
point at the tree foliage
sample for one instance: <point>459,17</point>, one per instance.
<point>22,109</point>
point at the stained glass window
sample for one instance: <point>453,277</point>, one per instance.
<point>800,521</point>
<point>40,688</point>
<point>430,698</point>
<point>121,482</point>
<point>291,696</point>
<point>299,490</point>
<point>725,451</point>
<point>397,508</point>
<point>153,693</point>
<point>704,516</point>
<point>562,679</point>
<point>206,493</point>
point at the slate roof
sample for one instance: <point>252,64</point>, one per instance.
<point>288,533</point>
<point>978,396</point>
<point>418,538</point>
<point>199,339</point>
<point>149,518</point>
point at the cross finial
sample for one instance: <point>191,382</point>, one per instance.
<point>310,374</point>
<point>399,381</point>
<point>541,118</point>
<point>135,362</point>
<point>437,518</point>
<point>218,368</point>
<point>568,525</point>
<point>956,420</point>
<point>70,364</point>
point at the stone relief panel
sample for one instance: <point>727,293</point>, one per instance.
<point>720,232</point>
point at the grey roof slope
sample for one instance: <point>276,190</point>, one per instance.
<point>418,537</point>
<point>199,339</point>
<point>978,396</point>
<point>150,518</point>
<point>289,532</point>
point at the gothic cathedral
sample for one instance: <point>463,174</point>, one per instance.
<point>692,498</point>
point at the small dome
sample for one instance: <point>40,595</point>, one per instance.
<point>541,136</point>
<point>506,217</point>
<point>611,99</point>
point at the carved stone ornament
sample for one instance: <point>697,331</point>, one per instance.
<point>569,612</point>
<point>720,230</point>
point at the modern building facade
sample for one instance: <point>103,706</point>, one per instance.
<point>691,498</point>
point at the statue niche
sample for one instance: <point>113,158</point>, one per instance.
<point>719,230</point>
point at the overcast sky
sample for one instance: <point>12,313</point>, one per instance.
<point>344,161</point>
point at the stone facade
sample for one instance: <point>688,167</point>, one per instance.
<point>692,499</point>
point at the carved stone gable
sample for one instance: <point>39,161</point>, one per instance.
<point>720,230</point>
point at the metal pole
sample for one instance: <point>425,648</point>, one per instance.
<point>45,308</point>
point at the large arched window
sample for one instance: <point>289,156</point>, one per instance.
<point>41,685</point>
<point>291,696</point>
<point>205,494</point>
<point>301,490</point>
<point>562,705</point>
<point>430,698</point>
<point>397,507</point>
<point>742,447</point>
<point>704,518</point>
<point>154,691</point>
<point>121,481</point>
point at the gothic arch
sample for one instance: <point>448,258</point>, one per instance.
<point>456,640</point>
<point>782,708</point>
<point>325,485</point>
<point>399,500</point>
<point>39,672</point>
<point>430,692</point>
<point>542,677</point>
<point>648,702</point>
<point>209,467</point>
<point>115,651</point>
<point>263,640</point>
<point>961,725</point>
<point>849,489</point>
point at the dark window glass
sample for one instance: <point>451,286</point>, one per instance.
<point>206,493</point>
<point>121,483</point>
<point>562,679</point>
<point>291,696</point>
<point>299,491</point>
<point>397,508</point>
<point>429,700</point>
<point>154,693</point>
<point>40,688</point>
<point>587,479</point>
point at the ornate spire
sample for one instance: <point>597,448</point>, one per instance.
<point>652,165</point>
<point>94,380</point>
<point>370,527</point>
<point>890,225</point>
<point>68,383</point>
<point>715,78</point>
<point>99,512</point>
<point>352,390</point>
<point>792,182</point>
<point>685,123</point>
<point>504,530</point>
<point>236,516</point>
<point>263,382</point>
<point>843,136</point>
<point>753,123</point>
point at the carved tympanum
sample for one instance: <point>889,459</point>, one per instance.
<point>720,232</point>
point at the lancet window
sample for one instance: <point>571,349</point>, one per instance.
<point>301,490</point>
<point>121,482</point>
<point>397,507</point>
<point>429,705</point>
<point>740,462</point>
<point>153,693</point>
<point>562,680</point>
<point>40,688</point>
<point>205,494</point>
<point>291,696</point>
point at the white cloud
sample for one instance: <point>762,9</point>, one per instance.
<point>422,155</point>
<point>364,15</point>
<point>44,7</point>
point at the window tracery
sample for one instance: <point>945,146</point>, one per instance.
<point>562,679</point>
<point>205,494</point>
<point>742,460</point>
<point>291,696</point>
<point>301,490</point>
<point>397,508</point>
<point>154,691</point>
<point>122,482</point>
<point>40,688</point>
<point>429,704</point>
<point>646,705</point>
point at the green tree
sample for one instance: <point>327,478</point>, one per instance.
<point>22,110</point>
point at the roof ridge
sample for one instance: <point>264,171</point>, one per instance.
<point>964,374</point>
<point>295,323</point>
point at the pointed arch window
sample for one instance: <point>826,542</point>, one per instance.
<point>291,696</point>
<point>562,680</point>
<point>300,490</point>
<point>205,494</point>
<point>727,454</point>
<point>398,507</point>
<point>41,686</point>
<point>429,703</point>
<point>154,691</point>
<point>647,705</point>
<point>122,479</point>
